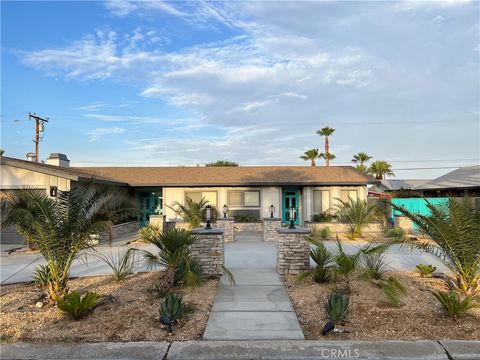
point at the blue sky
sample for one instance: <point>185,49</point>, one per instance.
<point>174,83</point>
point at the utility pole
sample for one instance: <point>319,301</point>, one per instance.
<point>39,127</point>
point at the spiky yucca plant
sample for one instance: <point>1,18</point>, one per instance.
<point>78,306</point>
<point>41,275</point>
<point>121,264</point>
<point>392,289</point>
<point>358,214</point>
<point>323,259</point>
<point>60,227</point>
<point>455,231</point>
<point>375,265</point>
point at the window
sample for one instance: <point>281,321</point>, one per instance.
<point>249,198</point>
<point>345,194</point>
<point>321,200</point>
<point>210,196</point>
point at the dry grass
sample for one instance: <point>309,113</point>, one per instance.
<point>370,318</point>
<point>130,315</point>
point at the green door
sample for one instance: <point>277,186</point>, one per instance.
<point>150,204</point>
<point>291,197</point>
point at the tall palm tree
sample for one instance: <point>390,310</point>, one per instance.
<point>326,131</point>
<point>360,159</point>
<point>380,169</point>
<point>311,155</point>
<point>60,227</point>
<point>327,157</point>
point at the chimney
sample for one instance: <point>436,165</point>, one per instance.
<point>31,157</point>
<point>58,159</point>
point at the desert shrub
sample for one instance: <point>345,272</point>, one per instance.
<point>60,227</point>
<point>41,275</point>
<point>323,259</point>
<point>397,233</point>
<point>392,289</point>
<point>121,264</point>
<point>455,230</point>
<point>171,310</point>
<point>173,253</point>
<point>453,303</point>
<point>77,306</point>
<point>336,305</point>
<point>426,270</point>
<point>324,216</point>
<point>325,232</point>
<point>375,265</point>
<point>358,214</point>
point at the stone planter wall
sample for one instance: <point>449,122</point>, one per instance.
<point>248,226</point>
<point>404,223</point>
<point>269,228</point>
<point>341,228</point>
<point>293,251</point>
<point>208,250</point>
<point>228,228</point>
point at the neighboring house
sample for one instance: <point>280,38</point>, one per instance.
<point>245,190</point>
<point>390,188</point>
<point>464,180</point>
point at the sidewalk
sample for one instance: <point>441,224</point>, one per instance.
<point>258,306</point>
<point>243,350</point>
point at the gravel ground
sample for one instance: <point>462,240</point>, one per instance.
<point>420,316</point>
<point>131,315</point>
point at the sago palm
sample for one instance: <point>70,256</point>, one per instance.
<point>60,227</point>
<point>358,214</point>
<point>191,212</point>
<point>380,169</point>
<point>311,155</point>
<point>326,131</point>
<point>455,231</point>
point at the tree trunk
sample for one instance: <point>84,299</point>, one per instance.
<point>327,160</point>
<point>314,163</point>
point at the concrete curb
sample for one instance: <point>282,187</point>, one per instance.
<point>242,350</point>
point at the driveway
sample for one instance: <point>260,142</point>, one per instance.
<point>19,267</point>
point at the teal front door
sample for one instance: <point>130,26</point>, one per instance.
<point>290,197</point>
<point>150,204</point>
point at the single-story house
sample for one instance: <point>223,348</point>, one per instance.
<point>246,190</point>
<point>392,187</point>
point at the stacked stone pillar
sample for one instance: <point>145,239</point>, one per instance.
<point>208,250</point>
<point>269,228</point>
<point>293,251</point>
<point>404,223</point>
<point>228,228</point>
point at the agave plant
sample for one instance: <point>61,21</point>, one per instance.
<point>336,306</point>
<point>454,304</point>
<point>454,229</point>
<point>426,270</point>
<point>173,253</point>
<point>358,214</point>
<point>171,310</point>
<point>60,227</point>
<point>78,306</point>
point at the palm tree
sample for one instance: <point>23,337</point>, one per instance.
<point>455,230</point>
<point>311,155</point>
<point>360,159</point>
<point>60,227</point>
<point>327,157</point>
<point>358,214</point>
<point>326,131</point>
<point>192,212</point>
<point>380,169</point>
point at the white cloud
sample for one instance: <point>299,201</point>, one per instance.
<point>120,7</point>
<point>98,133</point>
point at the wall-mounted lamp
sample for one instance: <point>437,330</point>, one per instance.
<point>292,218</point>
<point>225,209</point>
<point>53,191</point>
<point>272,210</point>
<point>208,216</point>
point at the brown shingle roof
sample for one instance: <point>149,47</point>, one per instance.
<point>233,176</point>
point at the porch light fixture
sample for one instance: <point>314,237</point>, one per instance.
<point>272,210</point>
<point>208,217</point>
<point>53,191</point>
<point>225,209</point>
<point>292,218</point>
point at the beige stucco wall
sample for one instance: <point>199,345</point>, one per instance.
<point>15,178</point>
<point>268,196</point>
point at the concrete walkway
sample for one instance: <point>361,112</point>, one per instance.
<point>243,350</point>
<point>258,306</point>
